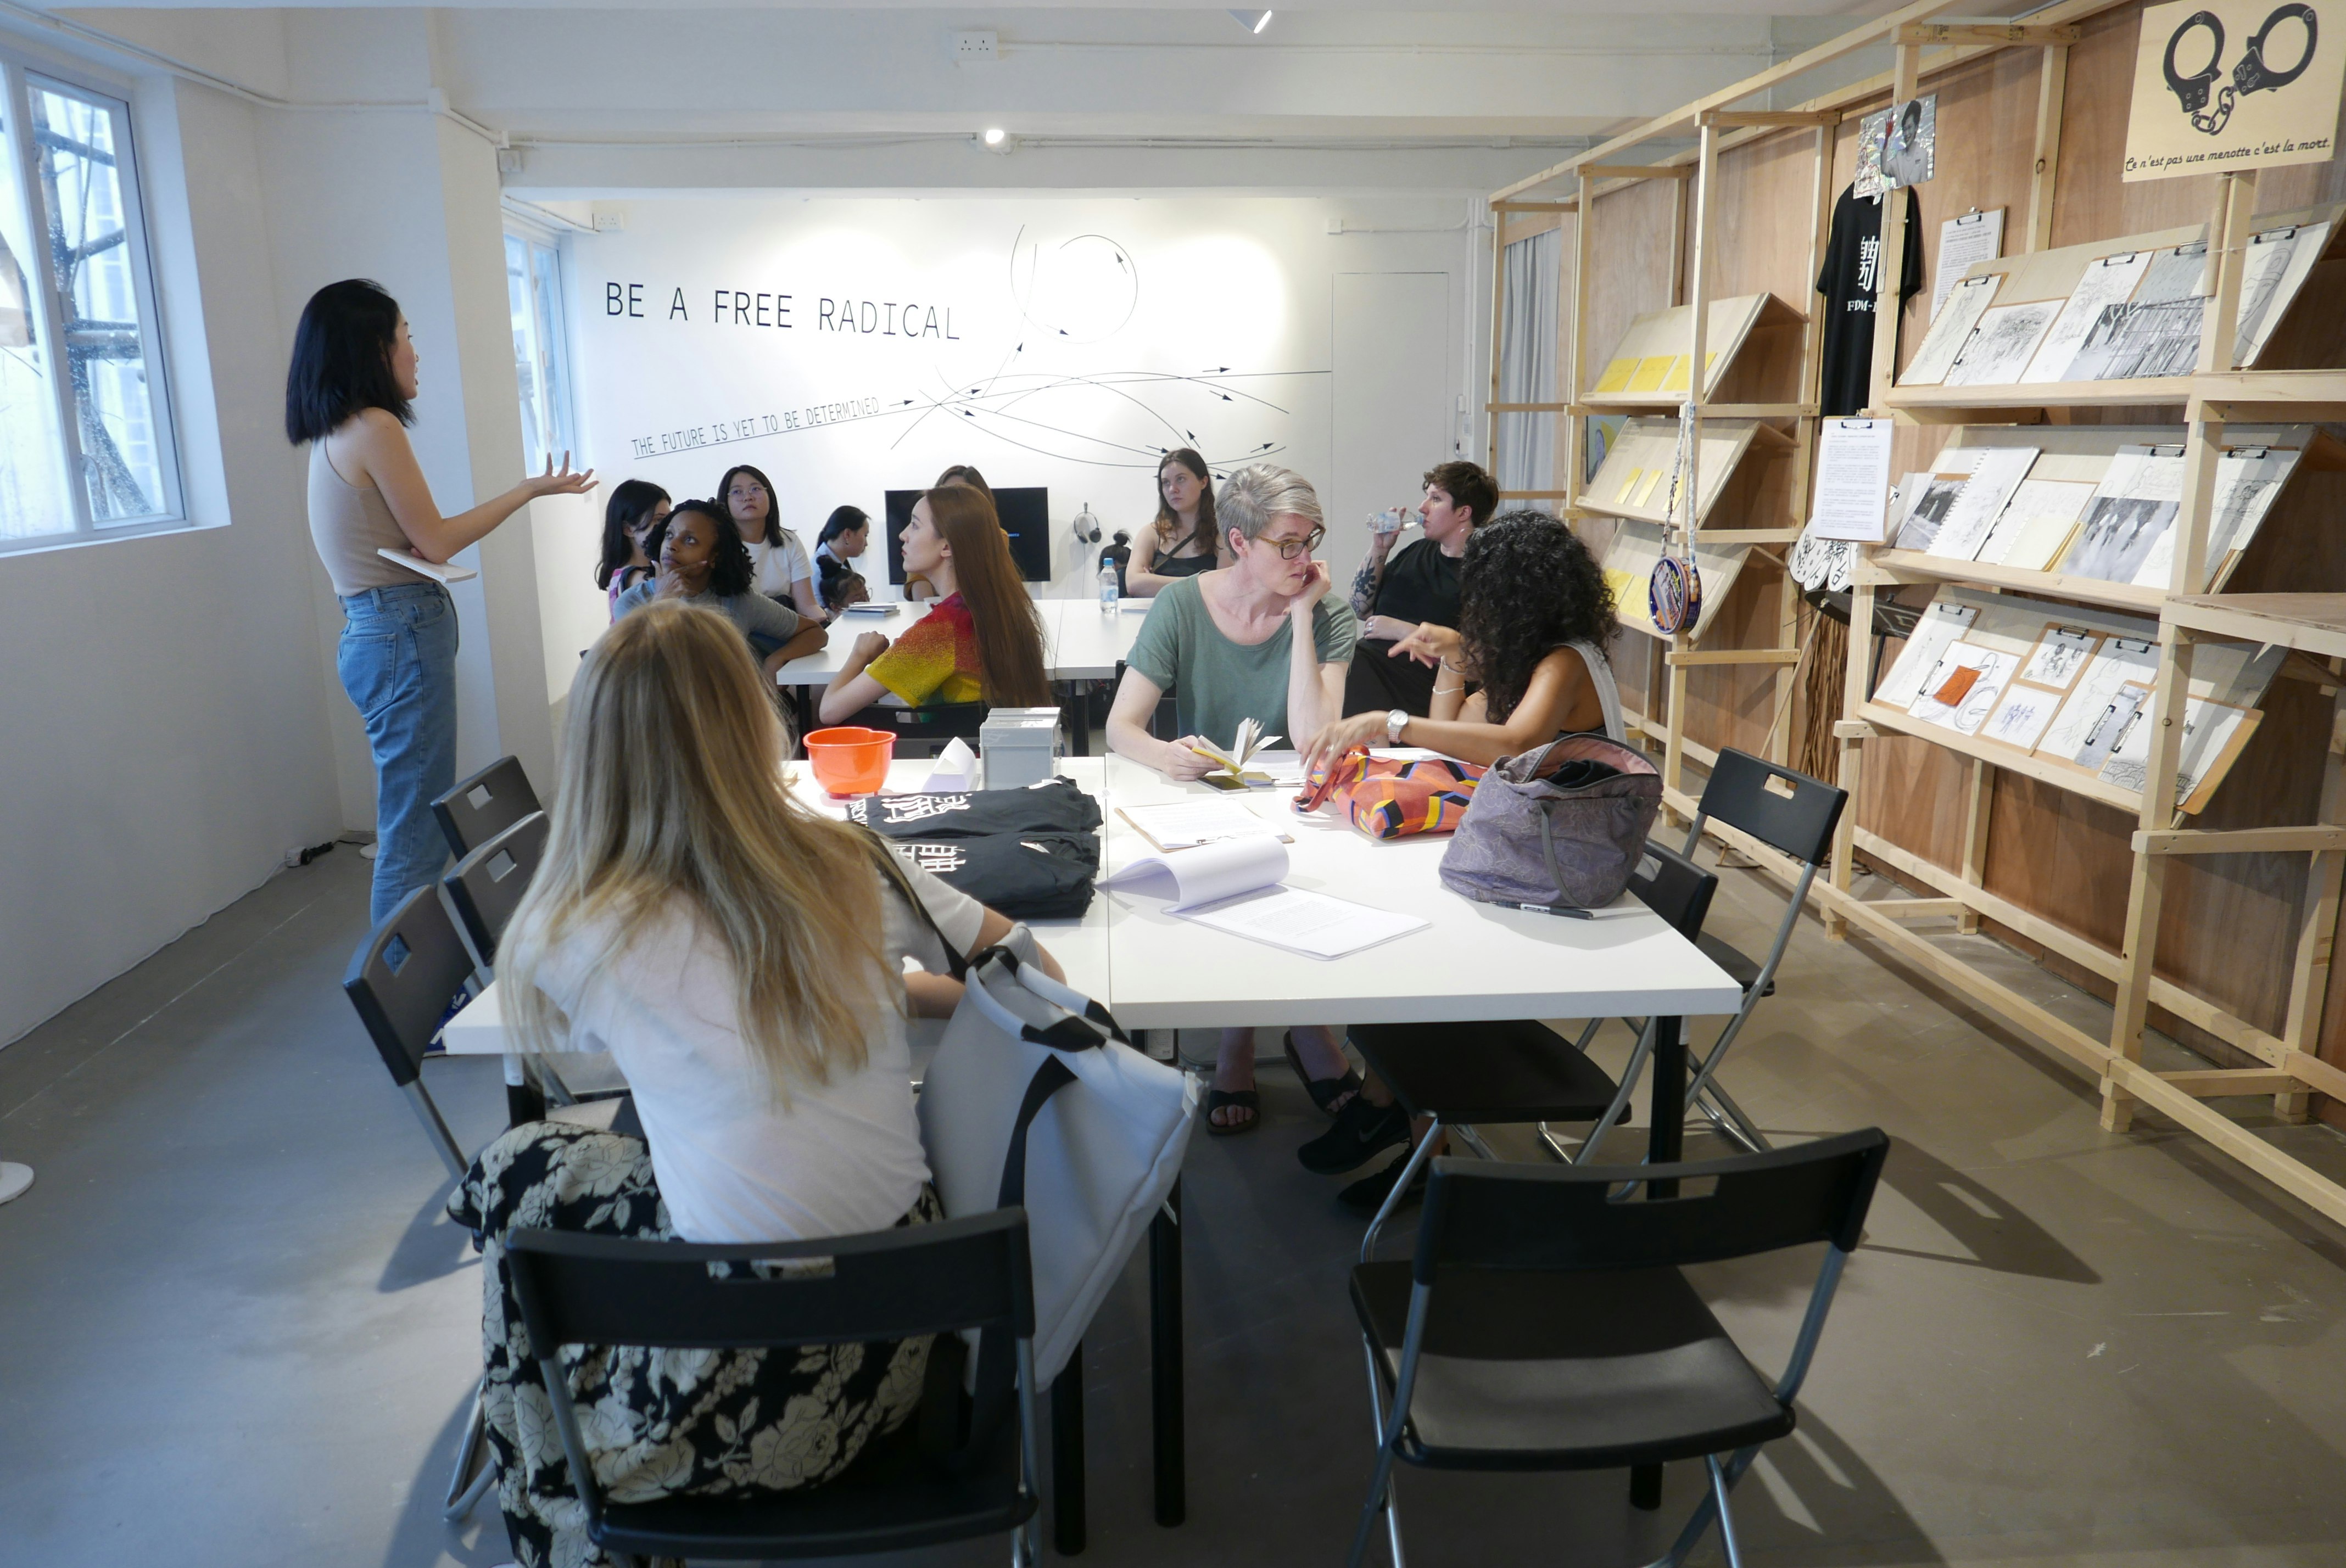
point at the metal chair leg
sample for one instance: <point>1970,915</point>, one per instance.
<point>1377,1422</point>
<point>462,1498</point>
<point>1620,1106</point>
<point>1401,1186</point>
<point>1726,1515</point>
<point>1730,1118</point>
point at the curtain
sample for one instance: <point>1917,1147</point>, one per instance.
<point>1528,305</point>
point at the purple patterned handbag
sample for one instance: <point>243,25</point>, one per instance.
<point>1563,825</point>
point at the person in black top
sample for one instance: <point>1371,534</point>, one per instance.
<point>1847,284</point>
<point>1396,591</point>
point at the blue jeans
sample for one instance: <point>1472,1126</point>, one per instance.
<point>398,663</point>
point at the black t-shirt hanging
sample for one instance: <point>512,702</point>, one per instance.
<point>1847,285</point>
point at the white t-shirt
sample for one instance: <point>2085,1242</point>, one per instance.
<point>773,568</point>
<point>733,1165</point>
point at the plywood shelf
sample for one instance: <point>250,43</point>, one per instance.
<point>1888,567</point>
<point>2309,623</point>
<point>1884,716</point>
<point>2029,396</point>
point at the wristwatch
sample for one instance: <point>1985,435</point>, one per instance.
<point>1395,722</point>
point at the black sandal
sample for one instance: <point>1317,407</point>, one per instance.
<point>1246,1100</point>
<point>1324,1092</point>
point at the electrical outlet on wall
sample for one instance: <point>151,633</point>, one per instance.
<point>967,46</point>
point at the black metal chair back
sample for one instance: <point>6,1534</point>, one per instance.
<point>1483,1214</point>
<point>960,1275</point>
<point>487,885</point>
<point>1783,808</point>
<point>400,980</point>
<point>1673,887</point>
<point>480,808</point>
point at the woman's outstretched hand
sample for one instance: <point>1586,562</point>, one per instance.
<point>1430,644</point>
<point>565,482</point>
<point>1334,740</point>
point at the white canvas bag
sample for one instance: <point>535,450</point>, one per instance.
<point>1035,1098</point>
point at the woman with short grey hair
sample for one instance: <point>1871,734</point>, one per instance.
<point>1260,638</point>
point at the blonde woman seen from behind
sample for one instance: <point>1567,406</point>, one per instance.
<point>742,957</point>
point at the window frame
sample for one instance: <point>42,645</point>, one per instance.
<point>20,77</point>
<point>554,334</point>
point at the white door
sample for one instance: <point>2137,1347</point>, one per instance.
<point>1391,364</point>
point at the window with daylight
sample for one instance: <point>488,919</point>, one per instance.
<point>85,431</point>
<point>533,292</point>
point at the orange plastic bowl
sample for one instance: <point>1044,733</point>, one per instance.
<point>851,760</point>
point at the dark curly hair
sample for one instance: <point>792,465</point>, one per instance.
<point>1527,586</point>
<point>730,570</point>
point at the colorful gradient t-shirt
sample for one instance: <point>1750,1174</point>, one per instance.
<point>936,661</point>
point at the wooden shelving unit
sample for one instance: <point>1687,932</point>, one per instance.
<point>2198,409</point>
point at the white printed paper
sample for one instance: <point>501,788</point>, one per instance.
<point>2118,662</point>
<point>2023,716</point>
<point>1312,924</point>
<point>1853,479</point>
<point>1206,873</point>
<point>1940,626</point>
<point>2108,281</point>
<point>1981,501</point>
<point>1974,237</point>
<point>2037,523</point>
<point>2133,508</point>
<point>2003,343</point>
<point>1951,329</point>
<point>1970,706</point>
<point>2059,660</point>
<point>2276,268</point>
<point>1187,824</point>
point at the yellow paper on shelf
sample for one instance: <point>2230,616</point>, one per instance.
<point>1676,380</point>
<point>1628,485</point>
<point>1629,594</point>
<point>1650,371</point>
<point>1646,486</point>
<point>1617,375</point>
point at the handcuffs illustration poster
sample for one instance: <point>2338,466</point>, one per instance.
<point>2234,83</point>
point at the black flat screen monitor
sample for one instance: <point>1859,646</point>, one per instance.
<point>1025,513</point>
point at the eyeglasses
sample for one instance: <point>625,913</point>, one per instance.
<point>1290,548</point>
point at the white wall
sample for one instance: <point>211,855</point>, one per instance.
<point>164,705</point>
<point>1086,336</point>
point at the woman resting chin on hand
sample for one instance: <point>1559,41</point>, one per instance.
<point>1535,614</point>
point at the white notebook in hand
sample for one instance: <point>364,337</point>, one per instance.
<point>1234,886</point>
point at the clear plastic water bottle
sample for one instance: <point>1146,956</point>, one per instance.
<point>1108,585</point>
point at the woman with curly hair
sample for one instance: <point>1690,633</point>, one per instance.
<point>1535,614</point>
<point>704,562</point>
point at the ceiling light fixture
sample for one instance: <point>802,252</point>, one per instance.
<point>1252,20</point>
<point>996,135</point>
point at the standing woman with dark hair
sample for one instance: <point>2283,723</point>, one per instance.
<point>633,522</point>
<point>984,642</point>
<point>349,393</point>
<point>782,572</point>
<point>1183,540</point>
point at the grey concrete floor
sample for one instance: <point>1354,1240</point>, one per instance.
<point>234,1329</point>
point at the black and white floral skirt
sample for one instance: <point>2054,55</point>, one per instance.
<point>659,1422</point>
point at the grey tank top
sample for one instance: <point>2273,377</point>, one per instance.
<point>349,524</point>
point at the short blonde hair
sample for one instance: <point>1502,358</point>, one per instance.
<point>1252,496</point>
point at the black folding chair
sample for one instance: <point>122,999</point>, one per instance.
<point>1544,1324</point>
<point>486,886</point>
<point>400,980</point>
<point>480,808</point>
<point>1788,812</point>
<point>962,1274</point>
<point>1465,1075</point>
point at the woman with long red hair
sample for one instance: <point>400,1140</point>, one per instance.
<point>982,642</point>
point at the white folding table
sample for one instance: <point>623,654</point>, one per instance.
<point>1157,970</point>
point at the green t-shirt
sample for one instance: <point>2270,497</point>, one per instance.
<point>1216,682</point>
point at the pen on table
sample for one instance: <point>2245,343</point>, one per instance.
<point>1565,910</point>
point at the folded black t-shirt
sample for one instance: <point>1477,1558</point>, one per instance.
<point>1052,806</point>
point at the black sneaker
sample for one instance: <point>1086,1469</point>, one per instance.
<point>1367,1196</point>
<point>1360,1130</point>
